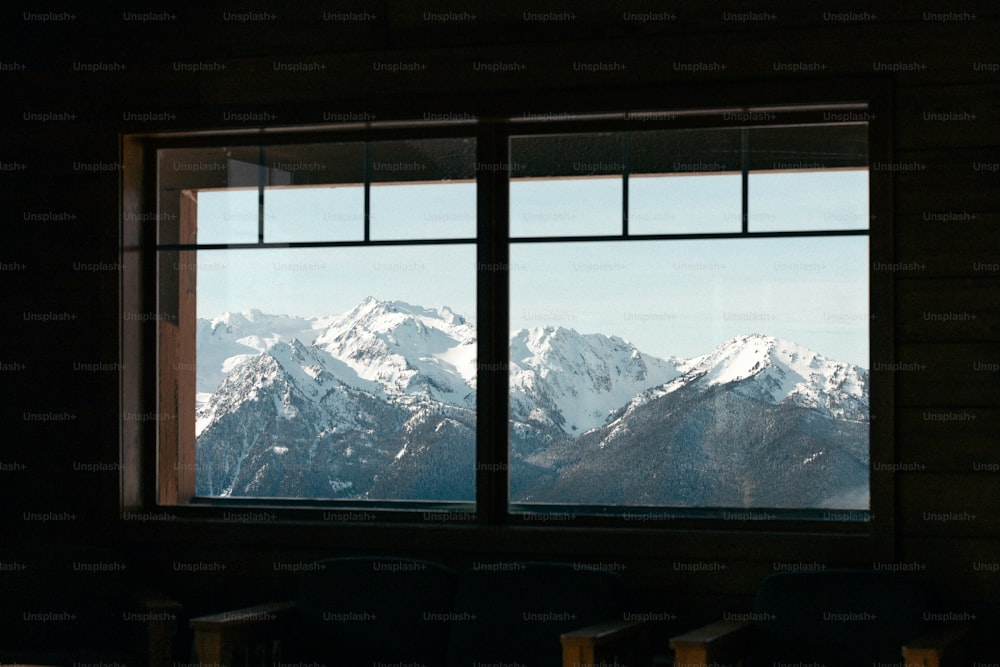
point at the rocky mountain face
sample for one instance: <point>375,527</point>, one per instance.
<point>380,404</point>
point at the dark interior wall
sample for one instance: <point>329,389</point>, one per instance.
<point>72,82</point>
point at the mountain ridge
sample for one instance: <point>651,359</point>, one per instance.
<point>388,387</point>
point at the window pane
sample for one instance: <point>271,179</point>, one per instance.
<point>317,213</point>
<point>336,373</point>
<point>566,184</point>
<point>565,207</point>
<point>837,146</point>
<point>807,200</point>
<point>234,219</point>
<point>808,178</point>
<point>332,210</point>
<point>440,210</point>
<point>685,151</point>
<point>228,216</point>
<point>423,189</point>
<point>685,181</point>
<point>685,204</point>
<point>700,373</point>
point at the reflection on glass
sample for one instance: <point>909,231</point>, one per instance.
<point>833,146</point>
<point>808,200</point>
<point>684,203</point>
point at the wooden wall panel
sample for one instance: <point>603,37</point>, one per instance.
<point>943,244</point>
<point>942,116</point>
<point>929,443</point>
<point>945,376</point>
<point>932,508</point>
<point>949,310</point>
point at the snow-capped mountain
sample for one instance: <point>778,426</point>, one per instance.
<point>576,381</point>
<point>710,446</point>
<point>349,406</point>
<point>785,371</point>
<point>777,372</point>
<point>230,338</point>
<point>282,371</point>
<point>406,349</point>
<point>379,402</point>
<point>755,422</point>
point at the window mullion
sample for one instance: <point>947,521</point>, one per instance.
<point>261,182</point>
<point>368,192</point>
<point>626,161</point>
<point>493,325</point>
<point>745,187</point>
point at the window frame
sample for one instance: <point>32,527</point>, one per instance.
<point>790,116</point>
<point>149,482</point>
<point>176,465</point>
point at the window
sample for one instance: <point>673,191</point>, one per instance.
<point>691,331</point>
<point>591,317</point>
<point>319,294</point>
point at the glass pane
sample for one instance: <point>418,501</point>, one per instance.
<point>807,200</point>
<point>811,178</point>
<point>201,169</point>
<point>565,207</point>
<point>685,181</point>
<point>699,373</point>
<point>337,373</point>
<point>228,216</point>
<point>685,204</point>
<point>838,146</point>
<point>685,151</point>
<point>317,213</point>
<point>423,189</point>
<point>332,210</point>
<point>566,185</point>
<point>442,209</point>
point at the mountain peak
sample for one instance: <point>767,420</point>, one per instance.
<point>228,319</point>
<point>576,381</point>
<point>406,348</point>
<point>781,370</point>
<point>250,317</point>
<point>747,355</point>
<point>371,309</point>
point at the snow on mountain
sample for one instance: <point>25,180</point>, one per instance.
<point>390,350</point>
<point>776,371</point>
<point>283,412</point>
<point>576,381</point>
<point>558,377</point>
<point>230,338</point>
<point>282,370</point>
<point>382,398</point>
<point>408,350</point>
<point>382,392</point>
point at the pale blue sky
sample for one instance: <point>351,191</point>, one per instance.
<point>685,297</point>
<point>668,297</point>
